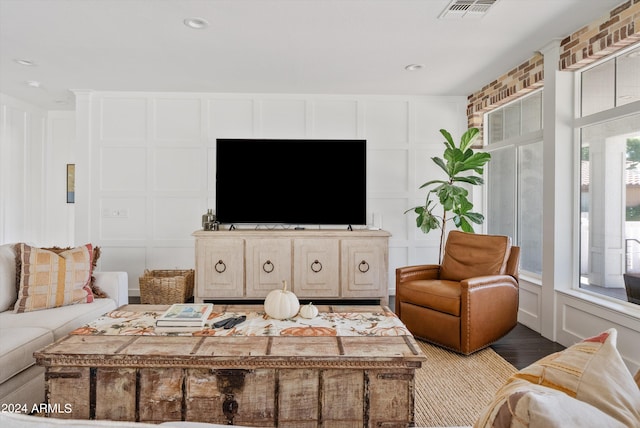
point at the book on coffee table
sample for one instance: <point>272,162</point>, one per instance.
<point>185,315</point>
<point>178,329</point>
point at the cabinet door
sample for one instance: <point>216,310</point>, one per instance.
<point>316,271</point>
<point>363,268</point>
<point>268,264</point>
<point>219,268</point>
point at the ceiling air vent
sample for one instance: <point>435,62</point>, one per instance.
<point>459,9</point>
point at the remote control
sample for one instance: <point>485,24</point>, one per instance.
<point>234,322</point>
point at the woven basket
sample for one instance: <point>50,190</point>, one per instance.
<point>165,287</point>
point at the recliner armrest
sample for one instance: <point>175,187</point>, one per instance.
<point>488,281</point>
<point>410,273</point>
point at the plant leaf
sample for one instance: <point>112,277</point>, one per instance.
<point>441,164</point>
<point>477,218</point>
<point>429,183</point>
<point>427,222</point>
<point>466,226</point>
<point>476,162</point>
<point>468,138</point>
<point>447,136</point>
<point>471,179</point>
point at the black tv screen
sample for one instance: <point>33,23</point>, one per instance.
<point>295,182</point>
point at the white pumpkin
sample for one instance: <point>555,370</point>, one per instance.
<point>281,304</point>
<point>308,311</point>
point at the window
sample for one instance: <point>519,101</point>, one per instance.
<point>610,174</point>
<point>514,177</point>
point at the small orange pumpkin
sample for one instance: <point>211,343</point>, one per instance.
<point>86,330</point>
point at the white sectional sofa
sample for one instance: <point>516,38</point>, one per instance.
<point>21,334</point>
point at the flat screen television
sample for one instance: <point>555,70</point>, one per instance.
<point>292,182</point>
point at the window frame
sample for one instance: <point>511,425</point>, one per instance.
<point>580,122</point>
<point>516,142</point>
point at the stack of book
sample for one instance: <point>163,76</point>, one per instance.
<point>184,317</point>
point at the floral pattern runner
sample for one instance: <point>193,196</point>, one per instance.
<point>385,323</point>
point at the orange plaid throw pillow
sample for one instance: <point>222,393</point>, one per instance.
<point>49,280</point>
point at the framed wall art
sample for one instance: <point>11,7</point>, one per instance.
<point>71,183</point>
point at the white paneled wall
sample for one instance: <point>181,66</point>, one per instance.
<point>22,171</point>
<point>152,158</point>
<point>579,316</point>
<point>60,151</point>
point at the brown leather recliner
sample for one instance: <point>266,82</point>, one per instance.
<point>469,301</point>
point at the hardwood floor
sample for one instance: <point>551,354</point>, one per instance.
<point>523,346</point>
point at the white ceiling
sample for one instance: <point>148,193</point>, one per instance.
<point>271,46</point>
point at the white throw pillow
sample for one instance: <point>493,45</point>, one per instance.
<point>590,373</point>
<point>521,404</point>
<point>8,292</point>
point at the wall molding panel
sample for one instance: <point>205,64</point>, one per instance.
<point>23,183</point>
<point>578,318</point>
<point>153,163</point>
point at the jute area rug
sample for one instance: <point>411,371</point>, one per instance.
<point>452,390</point>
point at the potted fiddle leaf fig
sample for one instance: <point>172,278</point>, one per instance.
<point>463,167</point>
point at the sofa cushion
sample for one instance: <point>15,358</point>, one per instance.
<point>469,255</point>
<point>60,320</point>
<point>8,292</point>
<point>49,280</point>
<point>18,346</point>
<point>591,371</point>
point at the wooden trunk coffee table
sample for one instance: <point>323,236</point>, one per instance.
<point>283,381</point>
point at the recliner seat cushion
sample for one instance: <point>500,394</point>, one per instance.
<point>442,296</point>
<point>469,255</point>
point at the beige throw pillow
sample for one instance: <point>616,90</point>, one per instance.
<point>49,280</point>
<point>591,372</point>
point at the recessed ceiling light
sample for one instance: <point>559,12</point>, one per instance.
<point>414,67</point>
<point>25,62</point>
<point>196,23</point>
<point>33,83</point>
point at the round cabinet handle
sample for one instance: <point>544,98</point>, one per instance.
<point>363,267</point>
<point>268,267</point>
<point>316,266</point>
<point>220,266</point>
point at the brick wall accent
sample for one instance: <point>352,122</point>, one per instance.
<point>523,79</point>
<point>614,31</point>
<point>617,30</point>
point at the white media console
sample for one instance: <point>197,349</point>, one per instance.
<point>317,264</point>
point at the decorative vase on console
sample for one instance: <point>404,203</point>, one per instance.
<point>209,220</point>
